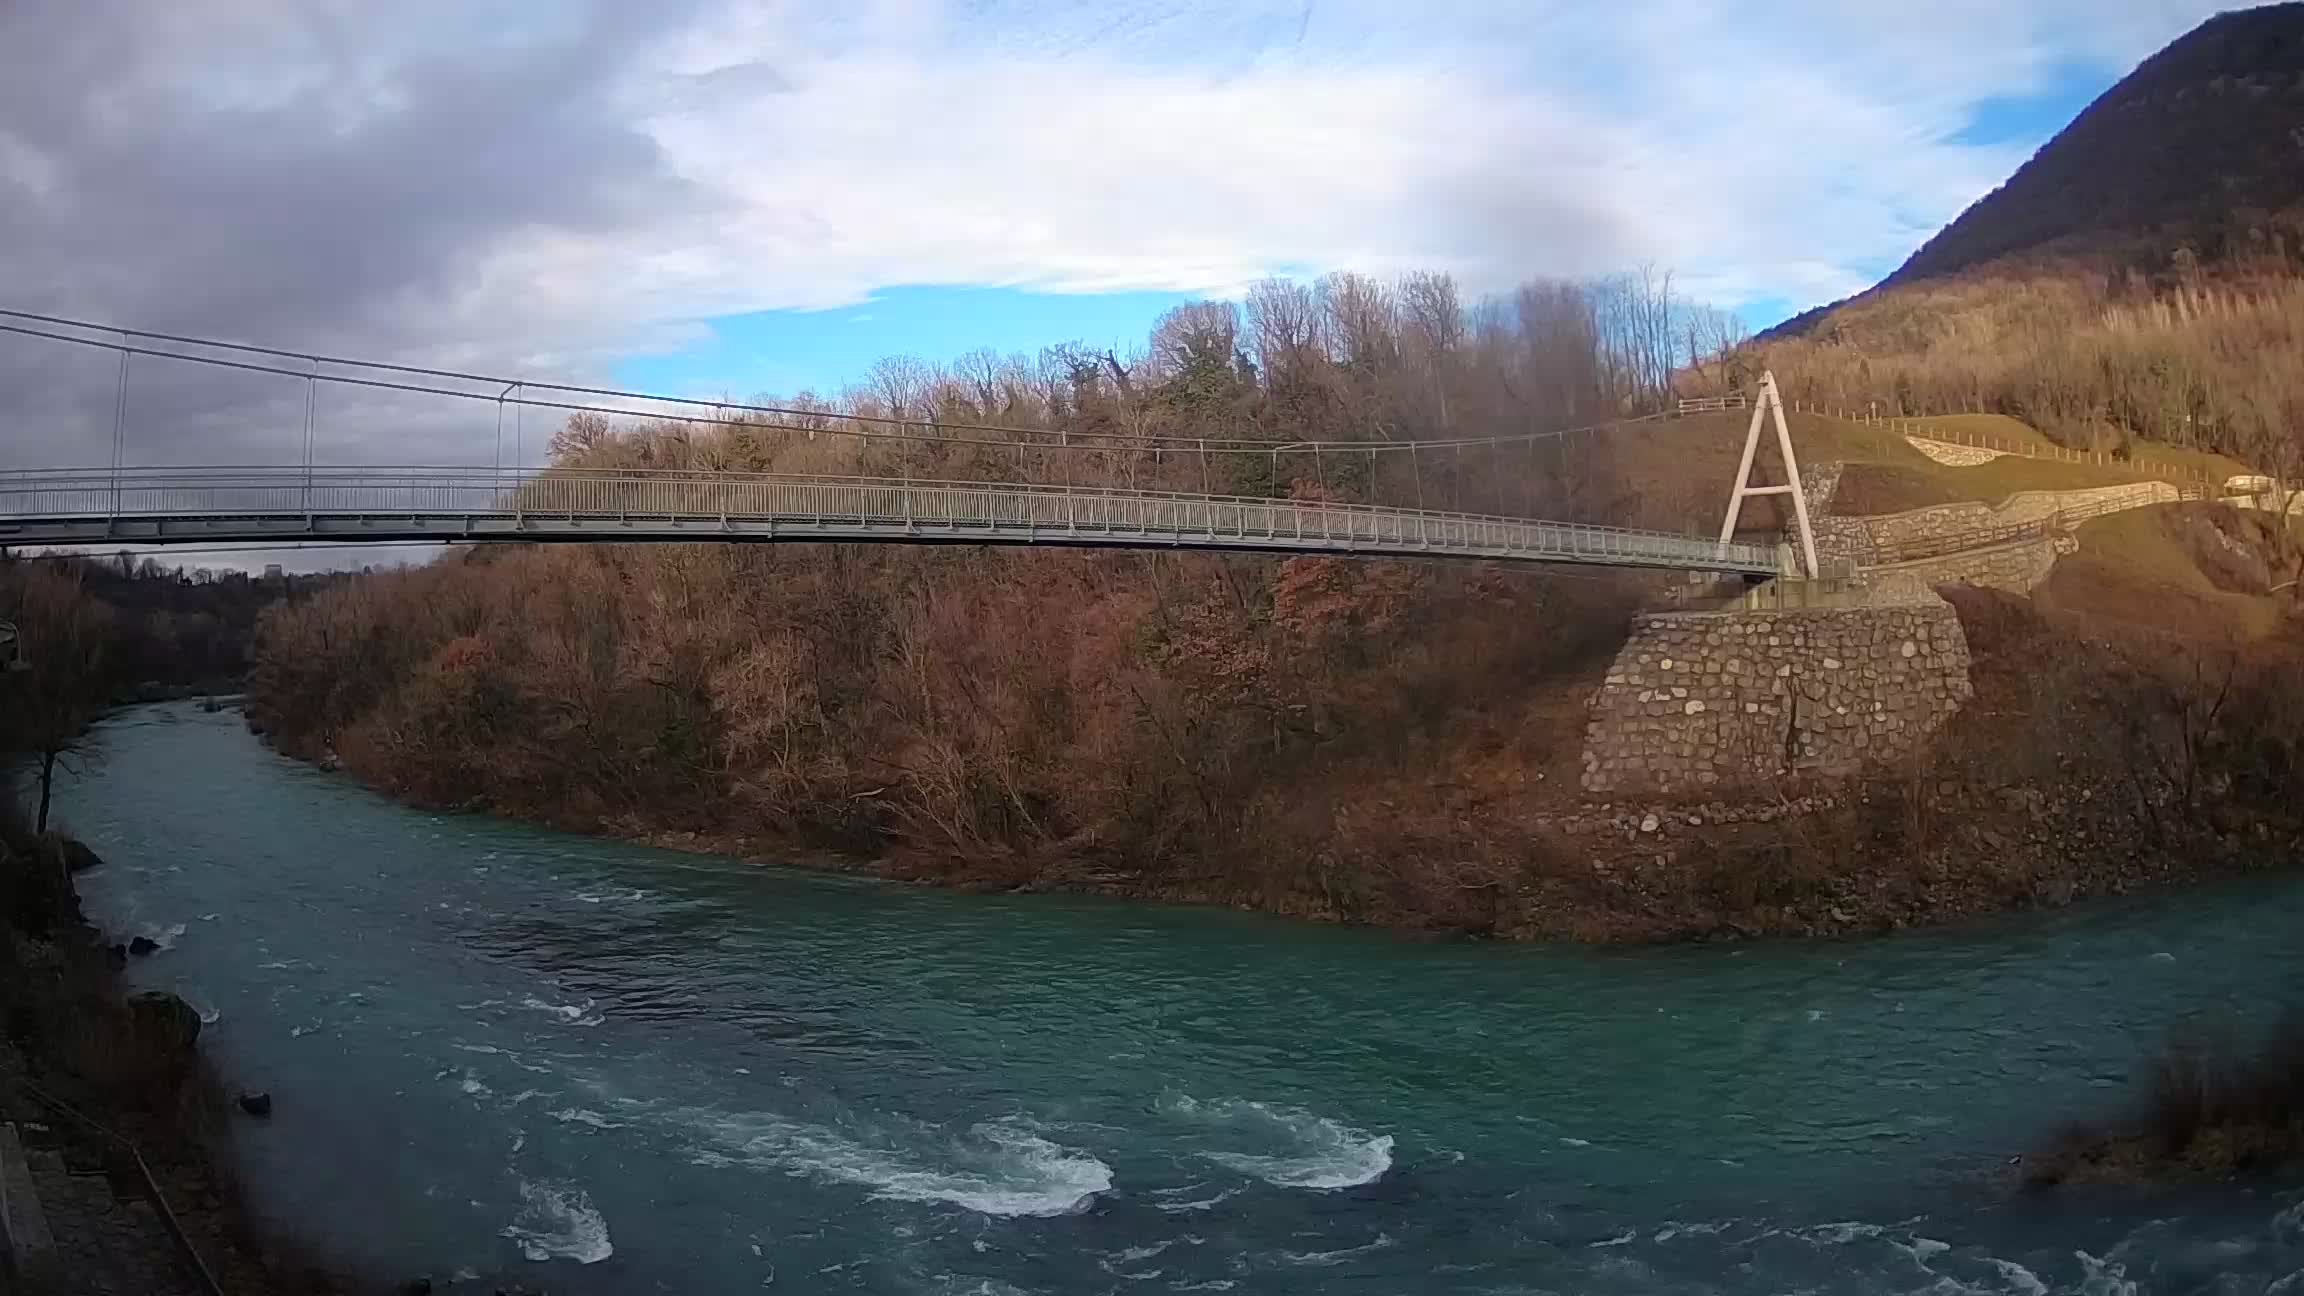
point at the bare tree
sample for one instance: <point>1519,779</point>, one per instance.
<point>1435,328</point>
<point>64,636</point>
<point>1196,335</point>
<point>581,438</point>
<point>1284,324</point>
<point>1712,338</point>
<point>979,373</point>
<point>1363,322</point>
<point>1560,348</point>
<point>902,384</point>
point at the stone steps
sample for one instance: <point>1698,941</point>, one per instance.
<point>99,1243</point>
<point>107,1246</point>
<point>27,1248</point>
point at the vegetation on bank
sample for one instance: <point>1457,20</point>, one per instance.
<point>2206,362</point>
<point>93,631</point>
<point>2211,1108</point>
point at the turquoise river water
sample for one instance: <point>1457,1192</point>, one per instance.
<point>599,1068</point>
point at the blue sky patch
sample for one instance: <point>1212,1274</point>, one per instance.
<point>783,352</point>
<point>2035,118</point>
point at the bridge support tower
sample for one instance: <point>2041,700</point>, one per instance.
<point>1770,406</point>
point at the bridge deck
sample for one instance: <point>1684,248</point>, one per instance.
<point>186,505</point>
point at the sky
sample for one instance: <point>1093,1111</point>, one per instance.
<point>740,197</point>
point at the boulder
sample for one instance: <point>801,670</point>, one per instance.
<point>163,1023</point>
<point>256,1102</point>
<point>143,945</point>
<point>77,857</point>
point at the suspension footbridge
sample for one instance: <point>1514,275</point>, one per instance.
<point>1001,495</point>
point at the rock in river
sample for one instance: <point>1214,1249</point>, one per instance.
<point>163,1023</point>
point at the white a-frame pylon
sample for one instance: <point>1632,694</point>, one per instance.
<point>1770,404</point>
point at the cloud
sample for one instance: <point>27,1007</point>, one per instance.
<point>549,187</point>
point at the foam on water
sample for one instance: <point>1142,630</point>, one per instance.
<point>2021,1280</point>
<point>1177,1201</point>
<point>1922,1250</point>
<point>1706,1228</point>
<point>559,1221</point>
<point>1322,1259</point>
<point>996,1168</point>
<point>569,1014</point>
<point>1298,1149</point>
<point>631,896</point>
<point>2288,1225</point>
<point>164,937</point>
<point>2103,1277</point>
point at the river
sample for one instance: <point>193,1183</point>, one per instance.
<point>608,1069</point>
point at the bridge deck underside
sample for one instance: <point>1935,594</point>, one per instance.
<point>181,506</point>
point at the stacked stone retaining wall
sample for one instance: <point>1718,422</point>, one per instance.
<point>2017,567</point>
<point>1733,701</point>
<point>1949,520</point>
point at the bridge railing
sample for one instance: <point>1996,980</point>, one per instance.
<point>852,504</point>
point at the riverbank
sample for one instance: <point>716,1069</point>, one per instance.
<point>86,1063</point>
<point>2067,778</point>
<point>2210,1110</point>
<point>1882,856</point>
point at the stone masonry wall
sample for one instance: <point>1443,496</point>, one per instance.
<point>2024,506</point>
<point>2017,567</point>
<point>1702,702</point>
<point>1839,541</point>
<point>1863,538</point>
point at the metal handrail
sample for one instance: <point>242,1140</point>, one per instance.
<point>75,500</point>
<point>151,1184</point>
<point>260,476</point>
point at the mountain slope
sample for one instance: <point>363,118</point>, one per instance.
<point>2202,143</point>
<point>2194,159</point>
